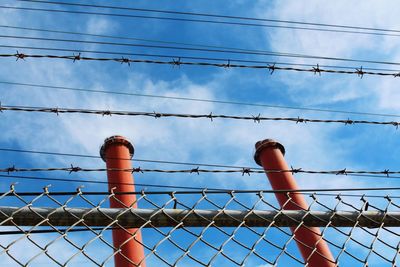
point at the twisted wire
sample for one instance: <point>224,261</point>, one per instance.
<point>254,118</point>
<point>360,72</point>
<point>198,170</point>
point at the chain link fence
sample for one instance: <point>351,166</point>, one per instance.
<point>195,228</point>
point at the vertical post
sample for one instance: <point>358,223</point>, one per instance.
<point>315,251</point>
<point>117,152</point>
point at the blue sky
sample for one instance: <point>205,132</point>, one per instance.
<point>310,146</point>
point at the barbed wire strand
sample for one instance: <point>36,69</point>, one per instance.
<point>266,53</point>
<point>216,101</point>
<point>359,30</point>
<point>225,61</point>
<point>173,162</point>
<point>255,118</point>
<point>360,72</point>
<point>246,171</point>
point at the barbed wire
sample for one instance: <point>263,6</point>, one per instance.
<point>196,164</point>
<point>202,58</point>
<point>114,37</point>
<point>198,170</point>
<point>215,101</point>
<point>255,118</point>
<point>360,72</point>
<point>198,49</point>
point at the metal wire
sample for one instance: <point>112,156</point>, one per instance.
<point>94,181</point>
<point>136,159</point>
<point>211,15</point>
<point>257,119</point>
<point>244,171</point>
<point>44,86</point>
<point>122,37</point>
<point>333,27</point>
<point>234,51</point>
<point>213,59</point>
<point>360,72</point>
<point>203,228</point>
<point>146,185</point>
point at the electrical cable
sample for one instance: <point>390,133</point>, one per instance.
<point>135,159</point>
<point>127,38</point>
<point>365,30</point>
<point>211,15</point>
<point>53,179</point>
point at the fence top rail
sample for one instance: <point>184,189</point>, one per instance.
<point>146,218</point>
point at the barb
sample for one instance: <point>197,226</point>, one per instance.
<point>19,56</point>
<point>271,68</point>
<point>77,57</point>
<point>210,116</point>
<point>198,170</point>
<point>317,70</point>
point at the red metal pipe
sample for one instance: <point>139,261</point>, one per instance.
<point>315,251</point>
<point>117,152</point>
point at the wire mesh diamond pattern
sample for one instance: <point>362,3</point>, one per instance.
<point>195,228</point>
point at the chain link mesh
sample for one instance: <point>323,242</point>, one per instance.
<point>195,228</point>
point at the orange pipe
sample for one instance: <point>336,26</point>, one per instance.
<point>117,152</point>
<point>315,251</point>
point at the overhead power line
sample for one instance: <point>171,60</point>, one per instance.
<point>255,118</point>
<point>135,159</point>
<point>211,15</point>
<point>263,53</point>
<point>215,101</point>
<point>360,72</point>
<point>128,38</point>
<point>78,180</point>
<point>323,27</point>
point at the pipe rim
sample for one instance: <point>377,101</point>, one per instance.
<point>116,139</point>
<point>266,143</point>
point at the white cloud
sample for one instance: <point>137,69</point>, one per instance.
<point>99,25</point>
<point>311,146</point>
